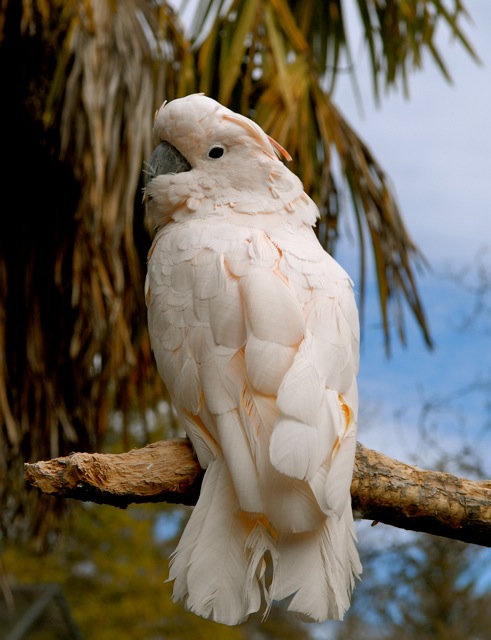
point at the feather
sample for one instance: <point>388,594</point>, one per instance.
<point>289,504</point>
<point>227,316</point>
<point>187,386</point>
<point>236,448</point>
<point>182,277</point>
<point>266,364</point>
<point>262,543</point>
<point>338,480</point>
<point>209,274</point>
<point>319,568</point>
<point>272,311</point>
<point>218,383</point>
<point>204,444</point>
<point>216,536</point>
<point>262,252</point>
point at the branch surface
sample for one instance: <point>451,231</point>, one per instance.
<point>383,489</point>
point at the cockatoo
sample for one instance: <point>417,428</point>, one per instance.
<point>255,332</point>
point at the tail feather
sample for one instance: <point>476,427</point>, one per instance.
<point>261,543</point>
<point>210,565</point>
<point>318,569</point>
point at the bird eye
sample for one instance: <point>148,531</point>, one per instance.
<point>216,152</point>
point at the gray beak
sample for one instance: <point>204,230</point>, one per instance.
<point>167,159</point>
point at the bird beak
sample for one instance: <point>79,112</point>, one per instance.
<point>167,159</point>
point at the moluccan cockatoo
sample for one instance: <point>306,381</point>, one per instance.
<point>255,332</point>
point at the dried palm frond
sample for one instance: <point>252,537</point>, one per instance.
<point>72,315</point>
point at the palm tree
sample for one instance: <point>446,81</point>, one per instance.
<point>81,81</point>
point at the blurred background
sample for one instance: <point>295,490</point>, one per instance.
<point>384,107</point>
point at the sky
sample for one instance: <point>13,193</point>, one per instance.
<point>436,148</point>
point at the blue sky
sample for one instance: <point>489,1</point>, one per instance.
<point>436,148</point>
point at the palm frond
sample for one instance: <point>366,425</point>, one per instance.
<point>398,34</point>
<point>79,346</point>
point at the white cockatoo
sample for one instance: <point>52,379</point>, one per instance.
<point>255,332</point>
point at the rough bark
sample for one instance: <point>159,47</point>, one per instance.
<point>383,489</point>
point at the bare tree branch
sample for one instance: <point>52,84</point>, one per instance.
<point>383,489</point>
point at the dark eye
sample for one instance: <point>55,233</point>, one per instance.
<point>216,152</point>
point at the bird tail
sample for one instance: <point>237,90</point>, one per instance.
<point>317,569</point>
<point>227,561</point>
<point>219,565</point>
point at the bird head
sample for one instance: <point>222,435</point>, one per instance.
<point>196,131</point>
<point>208,157</point>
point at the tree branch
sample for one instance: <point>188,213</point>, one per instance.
<point>383,489</point>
